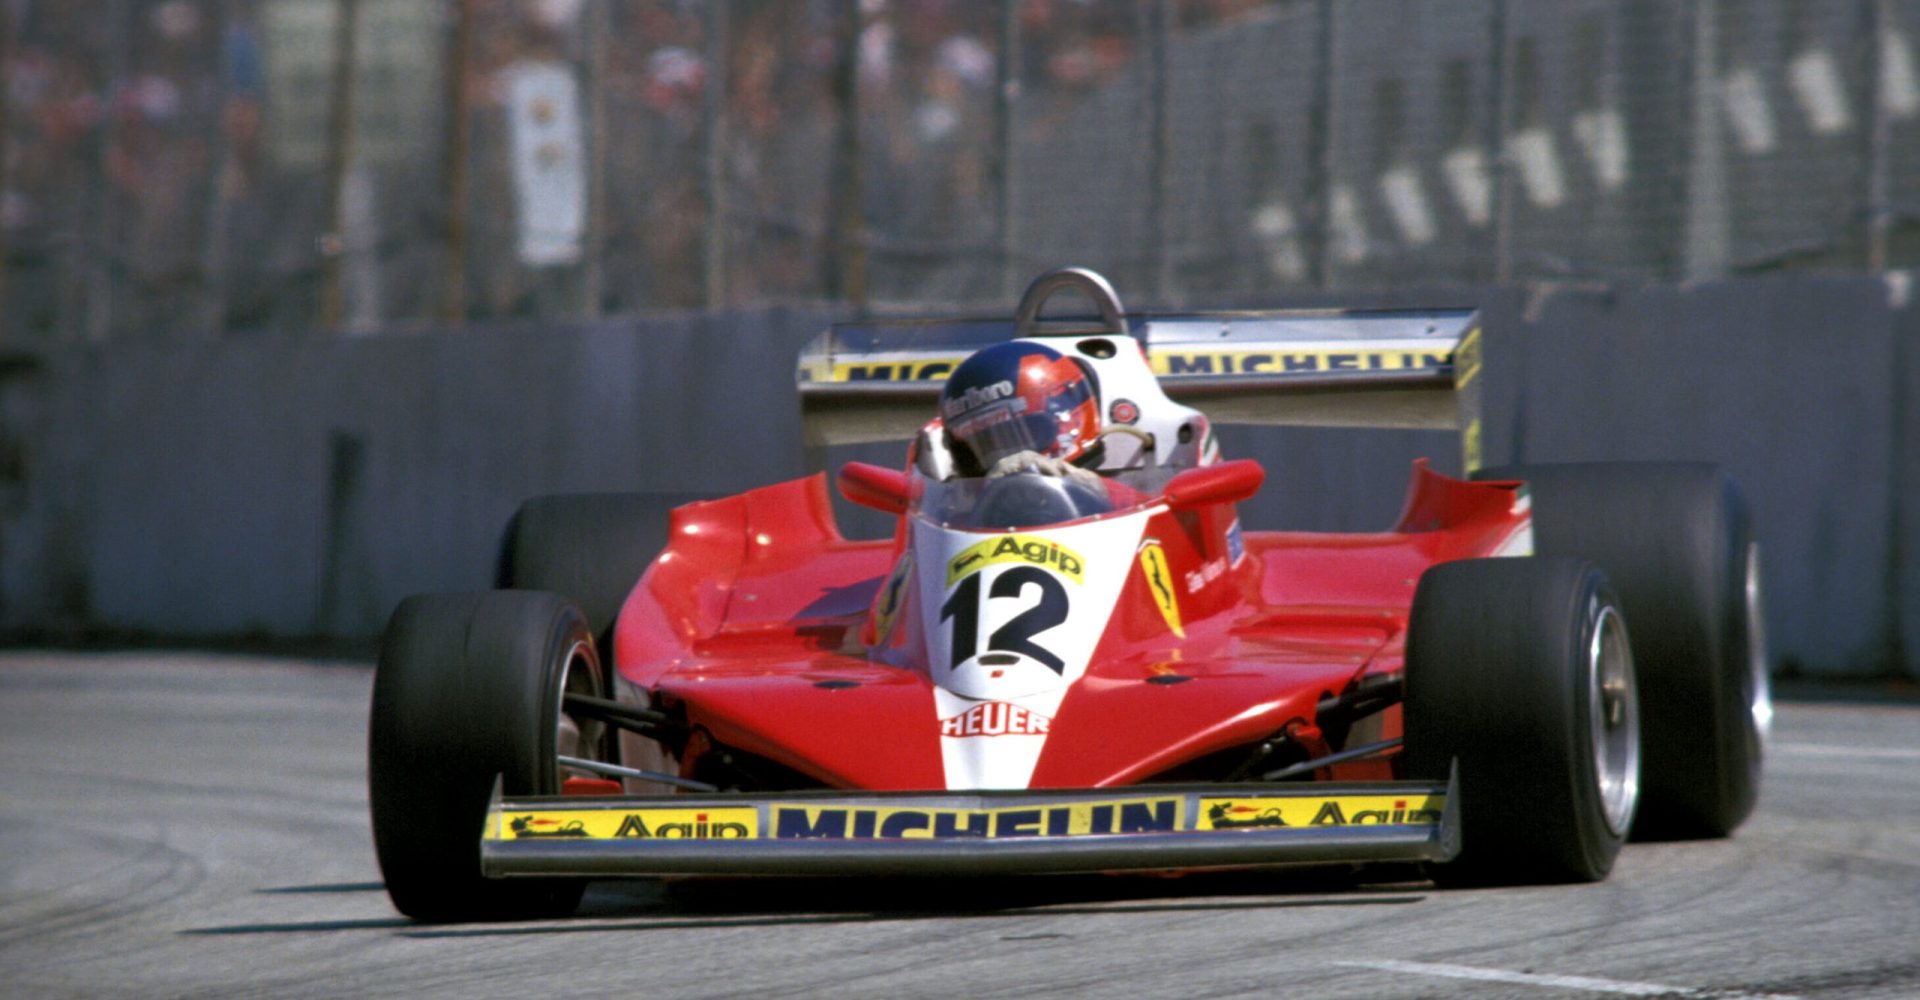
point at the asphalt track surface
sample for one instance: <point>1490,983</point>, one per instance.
<point>190,825</point>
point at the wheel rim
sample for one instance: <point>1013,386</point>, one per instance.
<point>575,737</point>
<point>1760,700</point>
<point>1614,707</point>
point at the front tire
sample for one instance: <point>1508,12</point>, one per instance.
<point>469,689</point>
<point>1520,669</point>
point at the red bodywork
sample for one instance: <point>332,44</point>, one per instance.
<point>750,624</point>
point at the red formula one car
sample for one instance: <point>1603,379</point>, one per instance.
<point>1049,674</point>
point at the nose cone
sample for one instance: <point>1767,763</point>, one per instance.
<point>843,721</point>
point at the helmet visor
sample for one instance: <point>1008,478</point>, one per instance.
<point>999,430</point>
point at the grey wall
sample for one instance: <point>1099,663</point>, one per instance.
<point>1803,388</point>
<point>1789,386</point>
<point>298,487</point>
<point>1904,570</point>
<point>303,486</point>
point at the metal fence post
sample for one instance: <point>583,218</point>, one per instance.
<point>1006,98</point>
<point>1156,24</point>
<point>593,277</point>
<point>1317,196</point>
<point>98,256</point>
<point>1708,234</point>
<point>846,256</point>
<point>1500,109</point>
<point>339,161</point>
<point>456,166</point>
<point>6,127</point>
<point>713,130</point>
<point>1875,20</point>
<point>1875,27</point>
<point>213,303</point>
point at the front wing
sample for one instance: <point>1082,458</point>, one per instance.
<point>972,833</point>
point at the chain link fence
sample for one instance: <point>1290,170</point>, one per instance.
<point>178,169</point>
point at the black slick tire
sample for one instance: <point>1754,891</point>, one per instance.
<point>1519,670</point>
<point>591,547</point>
<point>468,688</point>
<point>1676,541</point>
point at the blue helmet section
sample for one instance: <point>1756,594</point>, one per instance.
<point>1020,396</point>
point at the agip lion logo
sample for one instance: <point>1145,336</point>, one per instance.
<point>1029,549</point>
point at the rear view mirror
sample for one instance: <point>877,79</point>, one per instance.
<point>882,489</point>
<point>1222,482</point>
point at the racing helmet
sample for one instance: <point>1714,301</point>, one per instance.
<point>1020,396</point>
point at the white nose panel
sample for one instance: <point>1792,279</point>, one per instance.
<point>993,744</point>
<point>1012,620</point>
<point>1010,614</point>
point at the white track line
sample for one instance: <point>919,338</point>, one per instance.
<point>1587,983</point>
<point>1837,750</point>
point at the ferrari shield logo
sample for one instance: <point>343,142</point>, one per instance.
<point>1153,564</point>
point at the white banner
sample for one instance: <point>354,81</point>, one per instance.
<point>549,161</point>
<point>399,84</point>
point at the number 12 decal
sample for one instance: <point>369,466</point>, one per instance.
<point>1016,636</point>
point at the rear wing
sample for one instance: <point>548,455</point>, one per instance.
<point>880,380</point>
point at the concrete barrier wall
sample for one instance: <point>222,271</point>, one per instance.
<point>302,487</point>
<point>296,487</point>
<point>1789,387</point>
<point>1904,573</point>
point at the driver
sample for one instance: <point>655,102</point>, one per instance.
<point>1022,407</point>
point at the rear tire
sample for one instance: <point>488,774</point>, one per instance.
<point>1676,541</point>
<point>1521,670</point>
<point>592,547</point>
<point>468,688</point>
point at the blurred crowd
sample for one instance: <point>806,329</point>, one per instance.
<point>117,118</point>
<point>145,190</point>
<point>183,168</point>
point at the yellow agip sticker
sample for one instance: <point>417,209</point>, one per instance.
<point>1267,813</point>
<point>620,824</point>
<point>1030,549</point>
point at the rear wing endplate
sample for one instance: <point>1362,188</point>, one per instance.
<point>880,380</point>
